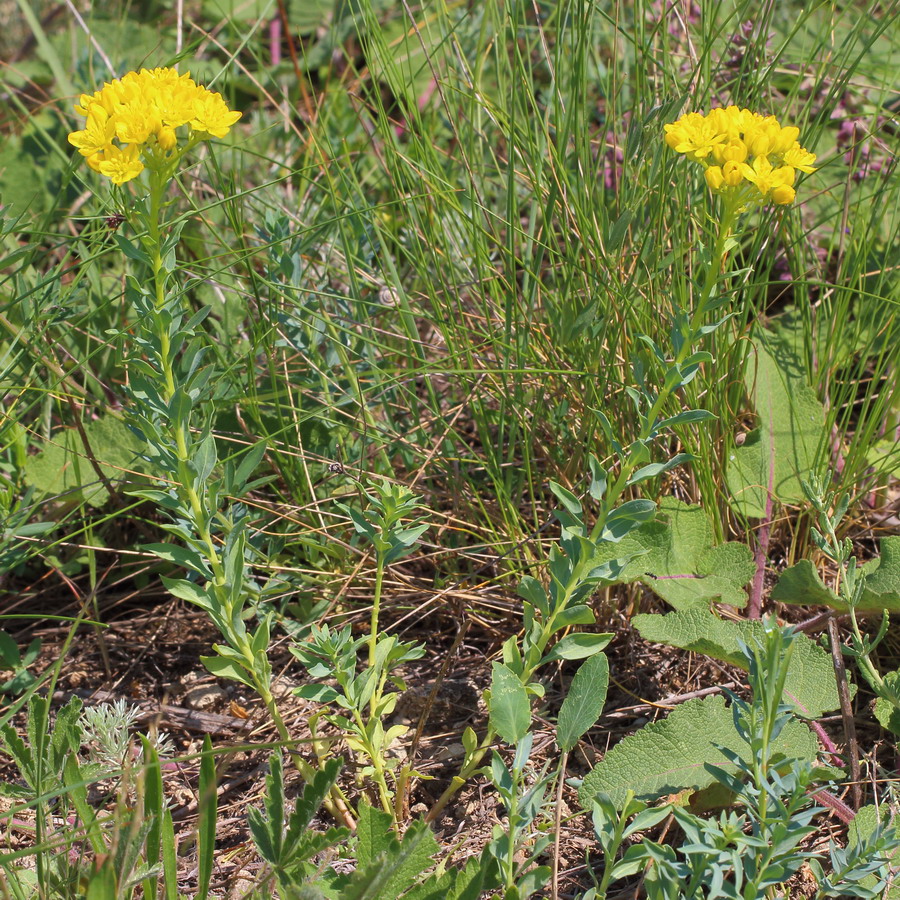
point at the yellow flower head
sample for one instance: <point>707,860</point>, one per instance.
<point>147,119</point>
<point>747,157</point>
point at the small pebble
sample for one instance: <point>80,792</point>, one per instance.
<point>205,697</point>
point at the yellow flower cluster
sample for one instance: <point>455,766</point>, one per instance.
<point>747,157</point>
<point>147,119</point>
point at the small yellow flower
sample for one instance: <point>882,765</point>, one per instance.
<point>212,115</point>
<point>121,165</point>
<point>799,158</point>
<point>97,135</point>
<point>694,136</point>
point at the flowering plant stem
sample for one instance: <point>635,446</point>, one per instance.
<point>648,428</point>
<point>629,462</point>
<point>198,507</point>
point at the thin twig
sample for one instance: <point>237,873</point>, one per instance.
<point>557,824</point>
<point>840,673</point>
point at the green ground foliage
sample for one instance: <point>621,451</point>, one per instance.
<point>440,369</point>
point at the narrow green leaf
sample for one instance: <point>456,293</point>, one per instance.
<point>251,460</point>
<point>77,793</point>
<point>154,804</point>
<point>577,646</point>
<point>226,668</point>
<point>205,457</point>
<point>169,857</point>
<point>653,469</point>
<point>598,478</point>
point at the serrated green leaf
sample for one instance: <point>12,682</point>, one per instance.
<point>374,834</point>
<point>674,557</point>
<point>510,712</point>
<point>312,798</point>
<point>386,867</point>
<point>785,447</point>
<point>669,756</point>
<point>584,701</point>
<point>887,714</point>
<point>810,681</point>
<point>801,584</point>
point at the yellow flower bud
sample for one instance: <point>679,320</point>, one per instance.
<point>714,177</point>
<point>782,194</point>
<point>759,144</point>
<point>166,138</point>
<point>732,174</point>
<point>734,151</point>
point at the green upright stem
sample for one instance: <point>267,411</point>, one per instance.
<point>726,224</point>
<point>336,803</point>
<point>376,609</point>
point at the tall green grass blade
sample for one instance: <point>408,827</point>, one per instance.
<point>206,819</point>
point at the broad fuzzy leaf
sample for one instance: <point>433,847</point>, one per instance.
<point>887,714</point>
<point>674,557</point>
<point>64,468</point>
<point>669,756</point>
<point>785,447</point>
<point>810,682</point>
<point>861,829</point>
<point>801,584</point>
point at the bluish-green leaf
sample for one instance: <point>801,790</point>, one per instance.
<point>510,711</point>
<point>626,518</point>
<point>577,646</point>
<point>226,668</point>
<point>567,498</point>
<point>584,701</point>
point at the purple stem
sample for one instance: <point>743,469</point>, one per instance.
<point>275,40</point>
<point>828,744</point>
